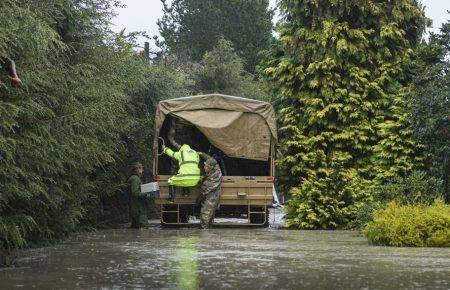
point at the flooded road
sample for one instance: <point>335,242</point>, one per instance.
<point>227,258</point>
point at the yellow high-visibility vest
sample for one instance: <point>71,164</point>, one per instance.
<point>188,160</point>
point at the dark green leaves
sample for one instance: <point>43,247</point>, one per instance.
<point>65,134</point>
<point>192,27</point>
<point>340,72</point>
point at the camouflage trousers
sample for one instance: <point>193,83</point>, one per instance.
<point>209,207</point>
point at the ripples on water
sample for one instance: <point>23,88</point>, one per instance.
<point>227,258</point>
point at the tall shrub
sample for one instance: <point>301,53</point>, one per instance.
<point>340,71</point>
<point>429,103</point>
<point>62,133</point>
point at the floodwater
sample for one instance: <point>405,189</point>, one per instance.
<point>227,258</point>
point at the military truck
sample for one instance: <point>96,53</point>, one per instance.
<point>240,134</point>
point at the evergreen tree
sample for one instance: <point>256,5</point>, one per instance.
<point>84,107</point>
<point>192,27</point>
<point>222,71</point>
<point>340,71</point>
<point>429,103</point>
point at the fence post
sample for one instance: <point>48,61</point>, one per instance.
<point>147,50</point>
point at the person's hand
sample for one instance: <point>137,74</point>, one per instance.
<point>163,147</point>
<point>15,81</point>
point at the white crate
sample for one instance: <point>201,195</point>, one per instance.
<point>150,187</point>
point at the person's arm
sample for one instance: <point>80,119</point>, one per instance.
<point>135,187</point>
<point>204,155</point>
<point>10,67</point>
<point>175,155</point>
<point>171,137</point>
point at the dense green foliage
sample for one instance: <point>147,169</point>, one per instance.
<point>190,28</point>
<point>222,71</point>
<point>417,188</point>
<point>410,225</point>
<point>430,104</point>
<point>82,113</point>
<point>217,44</point>
<point>341,69</point>
<point>341,73</point>
<point>412,219</point>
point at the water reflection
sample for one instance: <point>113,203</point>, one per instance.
<point>227,259</point>
<point>185,262</point>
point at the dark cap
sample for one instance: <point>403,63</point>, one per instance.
<point>136,165</point>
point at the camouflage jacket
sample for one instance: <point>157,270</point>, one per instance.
<point>211,182</point>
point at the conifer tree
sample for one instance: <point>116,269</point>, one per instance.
<point>85,100</point>
<point>222,71</point>
<point>429,103</point>
<point>192,27</point>
<point>341,78</point>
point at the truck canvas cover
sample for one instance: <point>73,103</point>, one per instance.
<point>240,127</point>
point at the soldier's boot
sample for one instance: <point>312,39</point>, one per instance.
<point>171,193</point>
<point>203,225</point>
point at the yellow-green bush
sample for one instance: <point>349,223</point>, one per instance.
<point>410,225</point>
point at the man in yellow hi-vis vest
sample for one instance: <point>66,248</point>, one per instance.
<point>188,172</point>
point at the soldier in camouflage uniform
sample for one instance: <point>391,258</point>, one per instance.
<point>210,191</point>
<point>138,208</point>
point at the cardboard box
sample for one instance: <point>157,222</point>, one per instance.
<point>152,189</point>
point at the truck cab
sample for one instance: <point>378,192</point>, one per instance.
<point>240,134</point>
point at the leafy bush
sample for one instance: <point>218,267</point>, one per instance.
<point>410,225</point>
<point>415,188</point>
<point>364,214</point>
